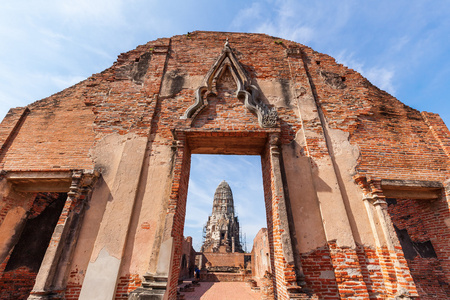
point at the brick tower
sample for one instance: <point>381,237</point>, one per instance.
<point>222,228</point>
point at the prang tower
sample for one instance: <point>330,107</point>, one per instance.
<point>222,228</point>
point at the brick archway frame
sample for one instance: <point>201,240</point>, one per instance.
<point>264,143</point>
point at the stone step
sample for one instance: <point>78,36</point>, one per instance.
<point>302,296</point>
<point>154,285</point>
<point>153,277</point>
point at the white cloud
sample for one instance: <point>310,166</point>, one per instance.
<point>400,44</point>
<point>322,24</point>
<point>63,82</point>
<point>254,11</point>
<point>197,216</point>
<point>99,11</point>
<point>303,33</point>
<point>379,76</point>
<point>277,18</point>
<point>199,193</point>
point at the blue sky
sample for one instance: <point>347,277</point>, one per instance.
<point>244,175</point>
<point>401,46</point>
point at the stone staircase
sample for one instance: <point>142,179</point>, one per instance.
<point>153,288</point>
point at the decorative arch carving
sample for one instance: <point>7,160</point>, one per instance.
<point>267,117</point>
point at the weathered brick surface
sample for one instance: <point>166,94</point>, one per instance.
<point>127,284</point>
<point>6,205</point>
<point>73,288</point>
<point>224,277</point>
<point>61,129</point>
<point>225,259</point>
<point>260,255</point>
<point>349,277</point>
<point>187,266</point>
<point>319,273</point>
<point>56,134</point>
<point>177,207</point>
<point>377,122</point>
<point>147,91</point>
<point>424,222</point>
<point>439,130</point>
<point>17,284</point>
<point>369,260</point>
<point>11,124</point>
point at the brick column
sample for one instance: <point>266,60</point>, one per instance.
<point>285,277</point>
<point>162,283</point>
<point>177,209</point>
<point>394,268</point>
<point>50,280</point>
<point>319,147</point>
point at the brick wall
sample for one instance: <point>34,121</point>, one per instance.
<point>425,238</point>
<point>224,277</point>
<point>319,273</point>
<point>73,288</point>
<point>177,208</point>
<point>348,273</point>
<point>187,266</point>
<point>224,259</point>
<point>267,184</point>
<point>148,89</point>
<point>371,271</point>
<point>17,284</point>
<point>59,131</point>
<point>260,254</point>
<point>127,284</point>
<point>55,134</point>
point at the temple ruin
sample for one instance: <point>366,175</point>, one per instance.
<point>94,179</point>
<point>222,228</point>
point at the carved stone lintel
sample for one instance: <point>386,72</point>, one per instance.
<point>267,117</point>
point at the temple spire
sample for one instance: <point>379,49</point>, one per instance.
<point>222,228</point>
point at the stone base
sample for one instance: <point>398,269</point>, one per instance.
<point>145,294</point>
<point>223,277</point>
<point>45,296</point>
<point>153,288</point>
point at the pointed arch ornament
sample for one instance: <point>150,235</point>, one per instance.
<point>267,116</point>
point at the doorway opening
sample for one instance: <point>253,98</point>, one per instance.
<point>22,265</point>
<point>220,229</point>
<point>424,239</point>
<point>243,174</point>
<point>262,144</point>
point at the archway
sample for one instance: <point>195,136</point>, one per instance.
<point>263,143</point>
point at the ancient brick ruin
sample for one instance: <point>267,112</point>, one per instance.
<point>222,227</point>
<point>356,183</point>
